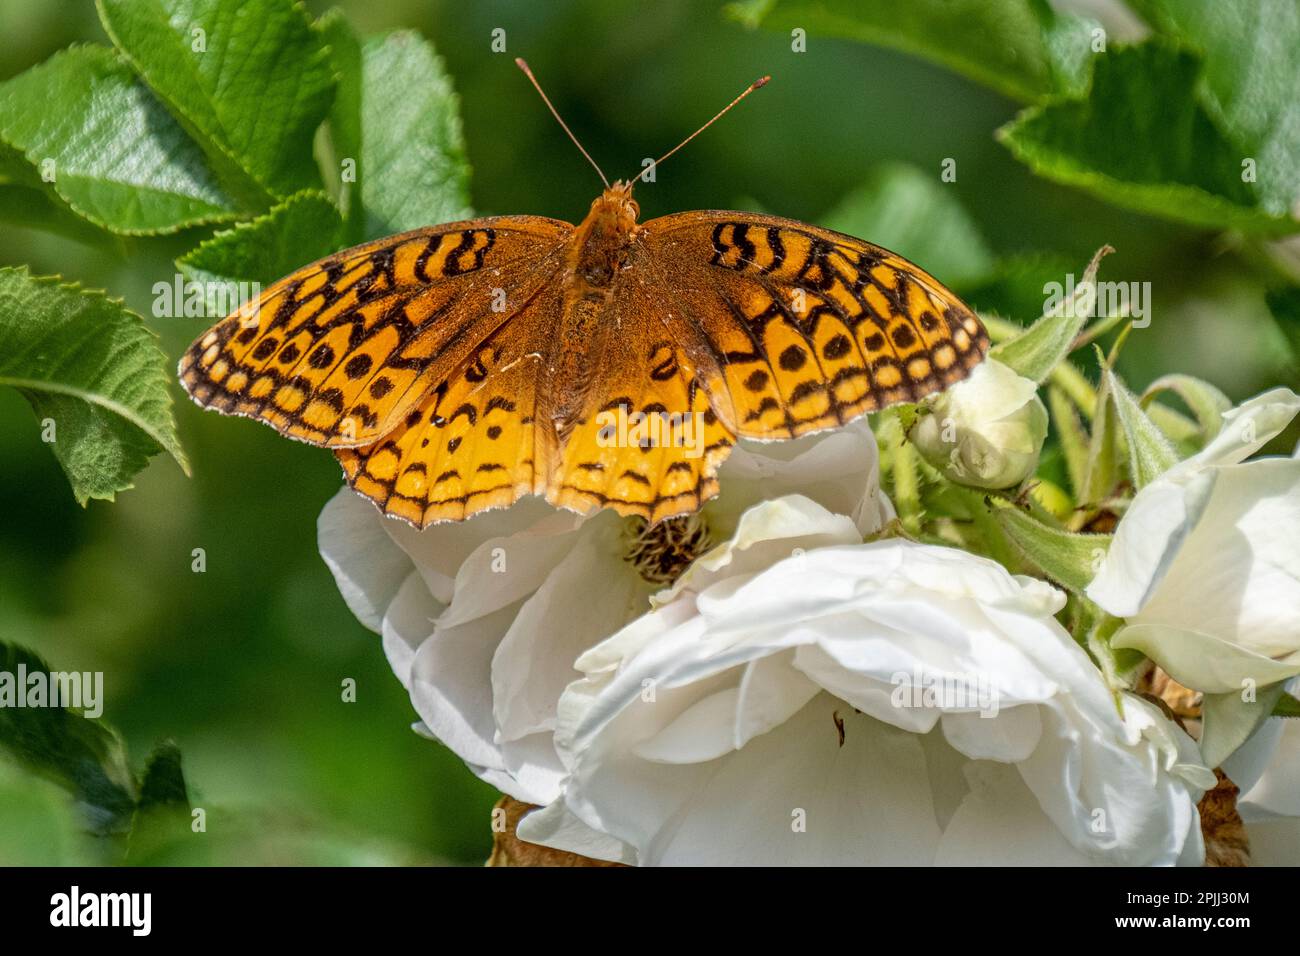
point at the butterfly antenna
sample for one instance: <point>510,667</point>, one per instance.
<point>519,62</point>
<point>761,82</point>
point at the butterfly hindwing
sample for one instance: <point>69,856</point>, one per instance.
<point>649,441</point>
<point>341,351</point>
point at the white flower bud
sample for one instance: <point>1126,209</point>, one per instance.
<point>985,432</point>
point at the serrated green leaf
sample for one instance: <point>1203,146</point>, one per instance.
<point>250,79</point>
<point>1021,48</point>
<point>299,230</point>
<point>93,373</point>
<point>1150,453</point>
<point>1252,72</point>
<point>1142,138</point>
<point>1228,721</point>
<point>1035,352</point>
<point>1066,557</point>
<point>15,169</point>
<point>116,156</point>
<point>412,148</point>
<point>78,753</point>
<point>345,120</point>
<point>914,214</point>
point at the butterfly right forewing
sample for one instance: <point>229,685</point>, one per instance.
<point>339,352</point>
<point>808,328</point>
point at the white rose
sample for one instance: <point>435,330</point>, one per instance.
<point>482,620</point>
<point>779,715</point>
<point>1205,565</point>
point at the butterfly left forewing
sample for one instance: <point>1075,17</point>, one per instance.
<point>339,352</point>
<point>473,442</point>
<point>809,328</point>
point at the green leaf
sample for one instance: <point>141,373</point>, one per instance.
<point>163,783</point>
<point>1286,706</point>
<point>1070,436</point>
<point>914,214</point>
<point>1228,721</point>
<point>1205,400</point>
<point>414,170</point>
<point>345,120</point>
<point>38,823</point>
<point>1066,557</point>
<point>250,79</point>
<point>115,155</point>
<point>1021,48</point>
<point>1105,450</point>
<point>78,753</point>
<point>37,208</point>
<point>299,230</point>
<point>901,462</point>
<point>1252,73</point>
<point>162,813</point>
<point>94,375</point>
<point>1143,138</point>
<point>1150,454</point>
<point>1183,432</point>
<point>1119,666</point>
<point>1035,352</point>
<point>15,168</point>
<point>1284,304</point>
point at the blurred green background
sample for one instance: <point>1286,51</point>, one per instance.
<point>242,665</point>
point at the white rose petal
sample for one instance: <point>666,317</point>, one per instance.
<point>1204,564</point>
<point>709,731</point>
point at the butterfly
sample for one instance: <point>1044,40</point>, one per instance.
<point>610,364</point>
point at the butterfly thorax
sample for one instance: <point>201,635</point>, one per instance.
<point>601,242</point>
<point>595,254</point>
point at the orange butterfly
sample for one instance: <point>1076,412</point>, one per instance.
<point>459,367</point>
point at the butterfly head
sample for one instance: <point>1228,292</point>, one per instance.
<point>616,207</point>
<point>601,242</point>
